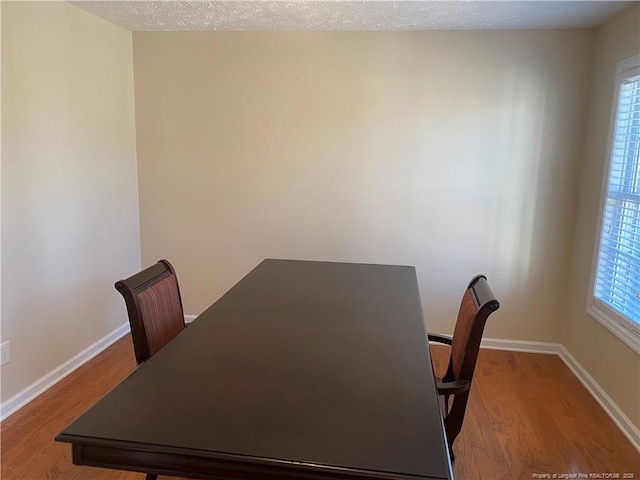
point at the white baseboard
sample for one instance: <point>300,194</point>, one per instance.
<point>189,318</point>
<point>619,418</point>
<point>47,381</point>
<point>606,402</point>
<point>521,346</point>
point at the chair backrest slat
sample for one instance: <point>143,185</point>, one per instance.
<point>154,306</point>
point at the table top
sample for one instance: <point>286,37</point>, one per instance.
<point>303,363</point>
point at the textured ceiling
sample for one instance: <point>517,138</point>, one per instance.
<point>306,15</point>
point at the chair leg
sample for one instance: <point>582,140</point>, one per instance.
<point>151,476</point>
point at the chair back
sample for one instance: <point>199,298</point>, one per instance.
<point>154,305</point>
<point>478,302</point>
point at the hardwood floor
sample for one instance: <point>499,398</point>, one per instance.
<point>527,415</point>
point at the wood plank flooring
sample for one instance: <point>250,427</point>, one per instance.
<point>527,415</point>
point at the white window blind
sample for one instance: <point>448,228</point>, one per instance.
<point>617,276</point>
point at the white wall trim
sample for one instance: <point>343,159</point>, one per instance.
<point>619,418</point>
<point>620,326</point>
<point>189,318</point>
<point>13,404</point>
<point>521,346</point>
<point>606,402</point>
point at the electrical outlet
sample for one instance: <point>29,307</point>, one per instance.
<point>4,353</point>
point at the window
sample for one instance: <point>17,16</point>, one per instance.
<point>615,299</point>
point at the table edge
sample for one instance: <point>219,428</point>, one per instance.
<point>90,451</point>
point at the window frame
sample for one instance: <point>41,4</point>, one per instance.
<point>622,327</point>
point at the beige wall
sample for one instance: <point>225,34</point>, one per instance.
<point>69,185</point>
<point>455,152</point>
<point>609,361</point>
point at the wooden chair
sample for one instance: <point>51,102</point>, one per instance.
<point>154,306</point>
<point>477,304</point>
<point>155,310</point>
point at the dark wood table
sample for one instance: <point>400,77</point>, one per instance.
<point>309,370</point>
